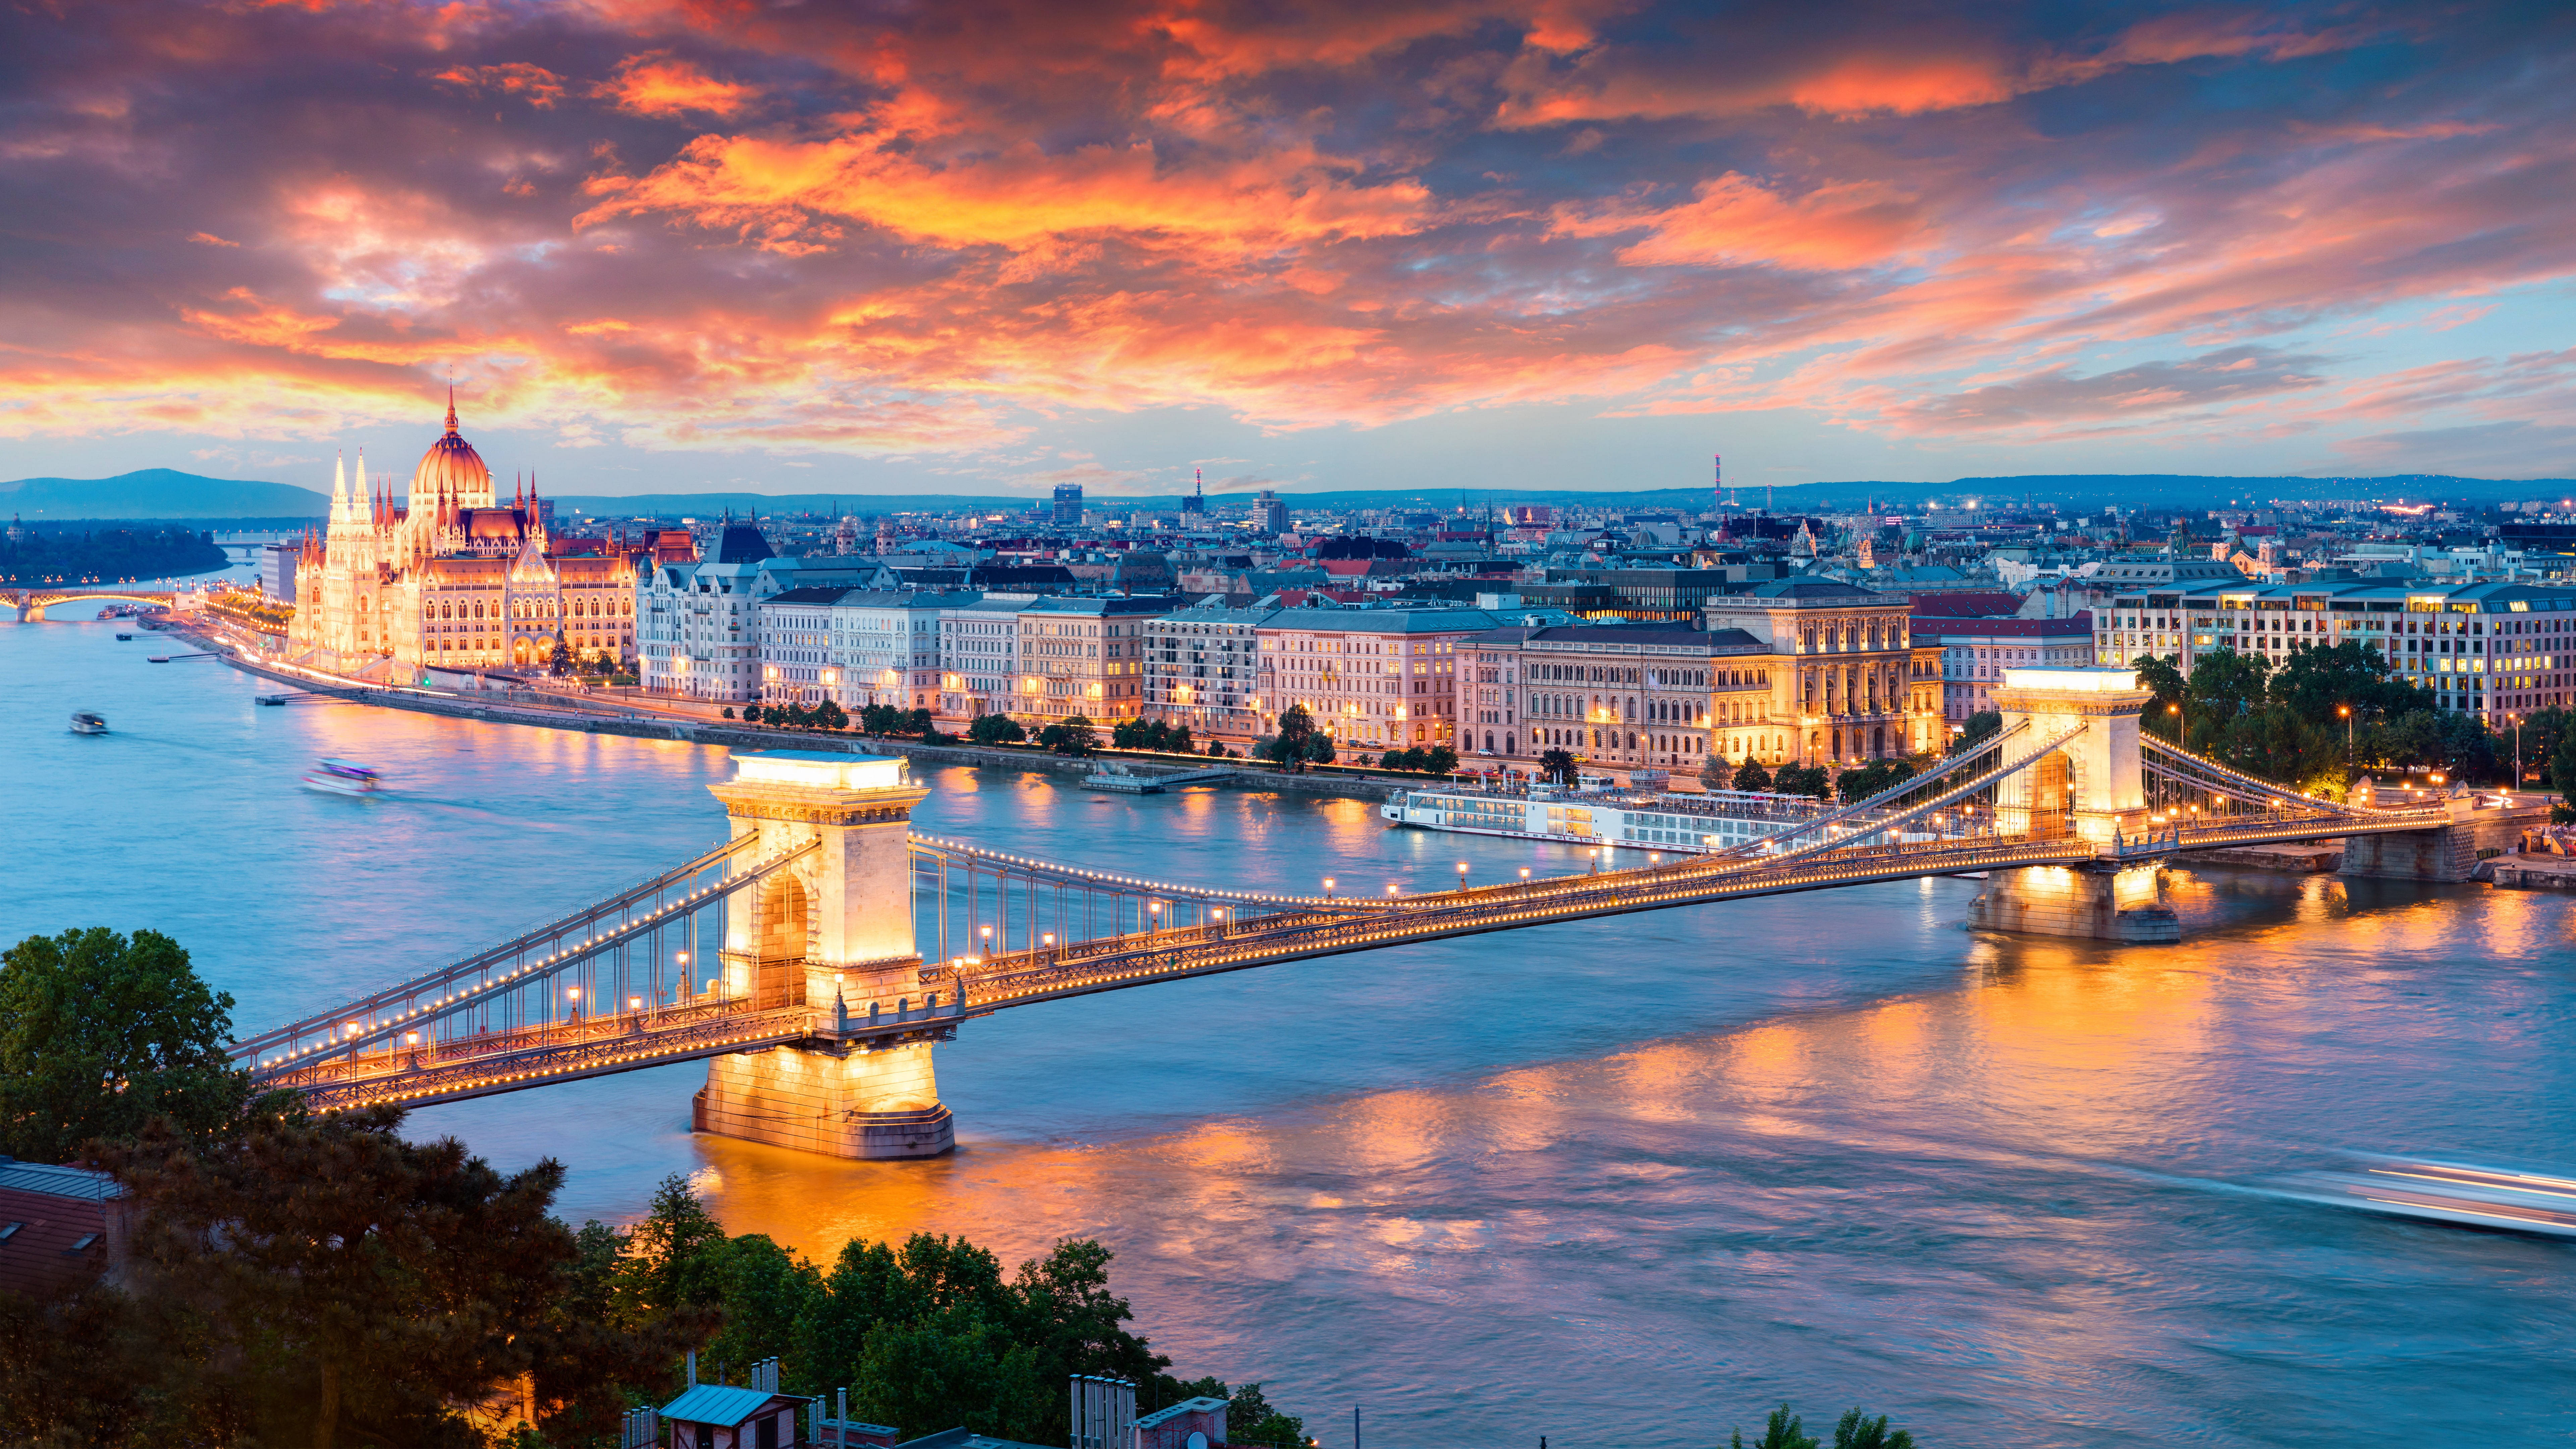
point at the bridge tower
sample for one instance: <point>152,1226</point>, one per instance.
<point>2088,785</point>
<point>832,932</point>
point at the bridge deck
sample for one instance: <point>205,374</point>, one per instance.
<point>502,1061</point>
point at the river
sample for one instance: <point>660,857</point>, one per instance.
<point>1620,1183</point>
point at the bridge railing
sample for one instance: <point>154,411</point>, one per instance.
<point>512,990</point>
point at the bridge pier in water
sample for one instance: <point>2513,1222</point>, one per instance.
<point>833,933</point>
<point>2090,787</point>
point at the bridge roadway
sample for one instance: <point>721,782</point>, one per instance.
<point>486,1063</point>
<point>31,601</point>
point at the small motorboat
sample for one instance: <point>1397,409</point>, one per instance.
<point>86,723</point>
<point>2447,1192</point>
<point>344,777</point>
<point>122,634</point>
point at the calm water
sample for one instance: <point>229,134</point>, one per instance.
<point>1622,1183</point>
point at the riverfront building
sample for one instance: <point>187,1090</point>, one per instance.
<point>1083,657</point>
<point>1849,682</point>
<point>1374,678</point>
<point>1203,669</point>
<point>1627,697</point>
<point>979,654</point>
<point>442,576</point>
<point>699,624</point>
<point>2495,650</point>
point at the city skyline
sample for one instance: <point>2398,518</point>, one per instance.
<point>1563,245</point>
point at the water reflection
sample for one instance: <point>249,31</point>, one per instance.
<point>1600,1181</point>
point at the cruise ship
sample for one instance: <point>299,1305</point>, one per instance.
<point>1592,813</point>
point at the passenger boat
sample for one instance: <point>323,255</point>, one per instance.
<point>342,777</point>
<point>2447,1192</point>
<point>86,723</point>
<point>1594,813</point>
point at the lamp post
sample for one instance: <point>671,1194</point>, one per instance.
<point>2182,725</point>
<point>1462,875</point>
<point>2346,711</point>
<point>1328,888</point>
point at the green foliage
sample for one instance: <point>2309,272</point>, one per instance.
<point>1139,734</point>
<point>1075,737</point>
<point>1980,726</point>
<point>728,711</point>
<point>1426,760</point>
<point>1716,774</point>
<point>1858,1431</point>
<point>349,1282</point>
<point>1752,776</point>
<point>100,1032</point>
<point>831,716</point>
<point>1557,765</point>
<point>1298,742</point>
<point>1250,1417</point>
<point>995,729</point>
<point>1796,779</point>
<point>1862,782</point>
<point>1782,1431</point>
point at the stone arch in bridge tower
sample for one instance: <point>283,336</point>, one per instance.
<point>2088,721</point>
<point>830,933</point>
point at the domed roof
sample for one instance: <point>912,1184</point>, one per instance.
<point>451,465</point>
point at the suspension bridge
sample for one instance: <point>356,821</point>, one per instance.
<point>816,956</point>
<point>32,601</point>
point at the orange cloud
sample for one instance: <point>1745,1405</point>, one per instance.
<point>533,83</point>
<point>1736,221</point>
<point>661,86</point>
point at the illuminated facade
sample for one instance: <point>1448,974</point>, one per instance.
<point>443,576</point>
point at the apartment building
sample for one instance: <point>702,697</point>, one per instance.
<point>1375,679</point>
<point>885,643</point>
<point>1975,653</point>
<point>697,624</point>
<point>979,655</point>
<point>1203,669</point>
<point>1083,657</point>
<point>1618,697</point>
<point>2495,650</point>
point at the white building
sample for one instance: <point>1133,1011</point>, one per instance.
<point>698,624</point>
<point>885,645</point>
<point>979,655</point>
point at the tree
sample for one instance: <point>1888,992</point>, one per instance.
<point>995,729</point>
<point>1177,740</point>
<point>1075,737</point>
<point>1320,748</point>
<point>1859,1431</point>
<point>351,1278</point>
<point>2562,768</point>
<point>1296,730</point>
<point>728,711</point>
<point>100,1032</point>
<point>1716,774</point>
<point>1557,765</point>
<point>917,724</point>
<point>1981,725</point>
<point>1803,780</point>
<point>1868,780</point>
<point>1439,760</point>
<point>831,716</point>
<point>559,663</point>
<point>1751,776</point>
<point>1782,1431</point>
<point>674,1259</point>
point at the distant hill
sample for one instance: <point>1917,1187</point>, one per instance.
<point>159,493</point>
<point>2077,490</point>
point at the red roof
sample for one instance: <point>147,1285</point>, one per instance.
<point>2078,627</point>
<point>1966,606</point>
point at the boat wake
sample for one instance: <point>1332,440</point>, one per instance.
<point>2459,1194</point>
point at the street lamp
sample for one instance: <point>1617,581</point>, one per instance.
<point>1328,888</point>
<point>2182,726</point>
<point>2346,711</point>
<point>1462,875</point>
<point>1524,875</point>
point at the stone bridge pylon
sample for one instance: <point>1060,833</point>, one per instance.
<point>2089,783</point>
<point>832,932</point>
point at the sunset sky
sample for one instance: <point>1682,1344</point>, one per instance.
<point>988,247</point>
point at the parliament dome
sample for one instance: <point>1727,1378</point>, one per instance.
<point>452,467</point>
